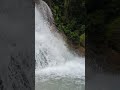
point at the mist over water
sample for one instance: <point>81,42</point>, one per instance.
<point>57,68</point>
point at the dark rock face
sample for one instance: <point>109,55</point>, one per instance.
<point>17,45</point>
<point>19,72</point>
<point>18,75</point>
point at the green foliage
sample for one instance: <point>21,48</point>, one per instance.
<point>82,39</point>
<point>73,23</point>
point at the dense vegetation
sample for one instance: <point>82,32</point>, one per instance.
<point>69,18</point>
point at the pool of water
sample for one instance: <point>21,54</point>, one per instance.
<point>60,84</point>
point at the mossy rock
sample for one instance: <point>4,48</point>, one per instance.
<point>82,40</point>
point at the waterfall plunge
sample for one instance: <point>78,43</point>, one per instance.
<point>53,58</point>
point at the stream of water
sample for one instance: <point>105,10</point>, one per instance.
<point>57,67</point>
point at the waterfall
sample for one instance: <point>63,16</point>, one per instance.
<point>53,58</point>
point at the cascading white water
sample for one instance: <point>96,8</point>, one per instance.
<point>53,59</point>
